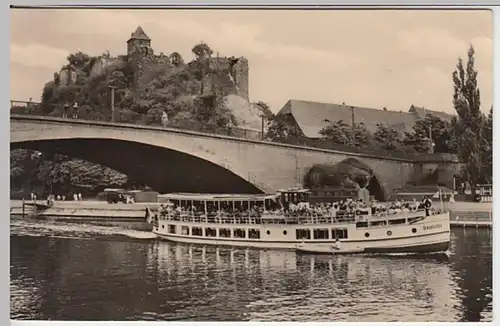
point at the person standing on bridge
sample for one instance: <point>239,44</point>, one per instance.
<point>164,119</point>
<point>29,106</point>
<point>75,110</point>
<point>65,110</point>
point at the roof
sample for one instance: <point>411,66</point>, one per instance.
<point>139,34</point>
<point>422,112</point>
<point>215,197</point>
<point>314,116</point>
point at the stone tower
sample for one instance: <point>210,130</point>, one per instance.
<point>138,40</point>
<point>240,72</point>
<point>140,54</point>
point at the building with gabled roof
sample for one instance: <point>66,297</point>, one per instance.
<point>311,116</point>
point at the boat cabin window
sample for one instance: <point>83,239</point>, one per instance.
<point>253,234</point>
<point>378,223</point>
<point>197,231</point>
<point>303,234</point>
<point>239,233</point>
<point>185,230</point>
<point>172,228</point>
<point>398,221</point>
<point>320,233</point>
<point>339,233</point>
<point>210,232</point>
<point>225,233</point>
<point>362,224</point>
<point>415,219</point>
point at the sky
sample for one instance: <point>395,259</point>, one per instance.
<point>369,58</point>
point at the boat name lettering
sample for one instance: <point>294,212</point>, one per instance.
<point>433,226</point>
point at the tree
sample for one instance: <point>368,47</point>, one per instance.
<point>283,128</point>
<point>488,147</point>
<point>341,133</point>
<point>362,136</point>
<point>337,132</point>
<point>419,137</point>
<point>202,51</point>
<point>386,137</point>
<point>467,129</point>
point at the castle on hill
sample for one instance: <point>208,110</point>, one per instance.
<point>227,73</point>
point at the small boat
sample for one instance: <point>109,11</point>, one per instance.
<point>328,249</point>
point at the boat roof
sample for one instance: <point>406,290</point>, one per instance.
<point>216,197</point>
<point>297,190</point>
<point>114,189</point>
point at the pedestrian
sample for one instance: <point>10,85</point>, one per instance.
<point>30,106</point>
<point>164,119</point>
<point>229,127</point>
<point>75,110</point>
<point>79,196</point>
<point>65,110</point>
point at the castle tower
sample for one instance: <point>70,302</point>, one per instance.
<point>140,55</point>
<point>138,40</point>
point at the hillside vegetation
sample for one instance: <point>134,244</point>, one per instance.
<point>181,92</point>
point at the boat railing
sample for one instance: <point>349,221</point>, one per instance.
<point>264,219</point>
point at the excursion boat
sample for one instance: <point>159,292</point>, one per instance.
<point>248,221</point>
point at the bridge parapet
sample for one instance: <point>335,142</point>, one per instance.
<point>36,111</point>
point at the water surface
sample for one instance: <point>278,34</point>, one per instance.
<point>82,272</point>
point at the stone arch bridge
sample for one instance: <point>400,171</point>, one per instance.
<point>177,160</point>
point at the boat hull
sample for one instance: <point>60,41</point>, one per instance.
<point>427,236</point>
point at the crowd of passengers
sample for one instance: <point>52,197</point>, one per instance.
<point>349,207</point>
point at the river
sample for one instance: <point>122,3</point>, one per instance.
<point>81,272</point>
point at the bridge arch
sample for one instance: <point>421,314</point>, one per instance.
<point>162,168</point>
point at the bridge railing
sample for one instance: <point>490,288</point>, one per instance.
<point>38,109</point>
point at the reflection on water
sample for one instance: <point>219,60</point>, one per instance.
<point>103,278</point>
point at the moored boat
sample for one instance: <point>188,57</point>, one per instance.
<point>260,221</point>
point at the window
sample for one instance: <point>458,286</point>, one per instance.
<point>367,235</point>
<point>268,232</point>
<point>253,234</point>
<point>414,230</point>
<point>284,232</point>
<point>185,230</point>
<point>225,233</point>
<point>320,233</point>
<point>239,233</point>
<point>172,228</point>
<point>303,234</point>
<point>378,223</point>
<point>210,232</point>
<point>339,233</point>
<point>362,224</point>
<point>197,231</point>
<point>399,221</point>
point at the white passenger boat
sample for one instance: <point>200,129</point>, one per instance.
<point>246,220</point>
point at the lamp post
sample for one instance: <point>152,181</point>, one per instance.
<point>112,102</point>
<point>262,121</point>
<point>352,126</point>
